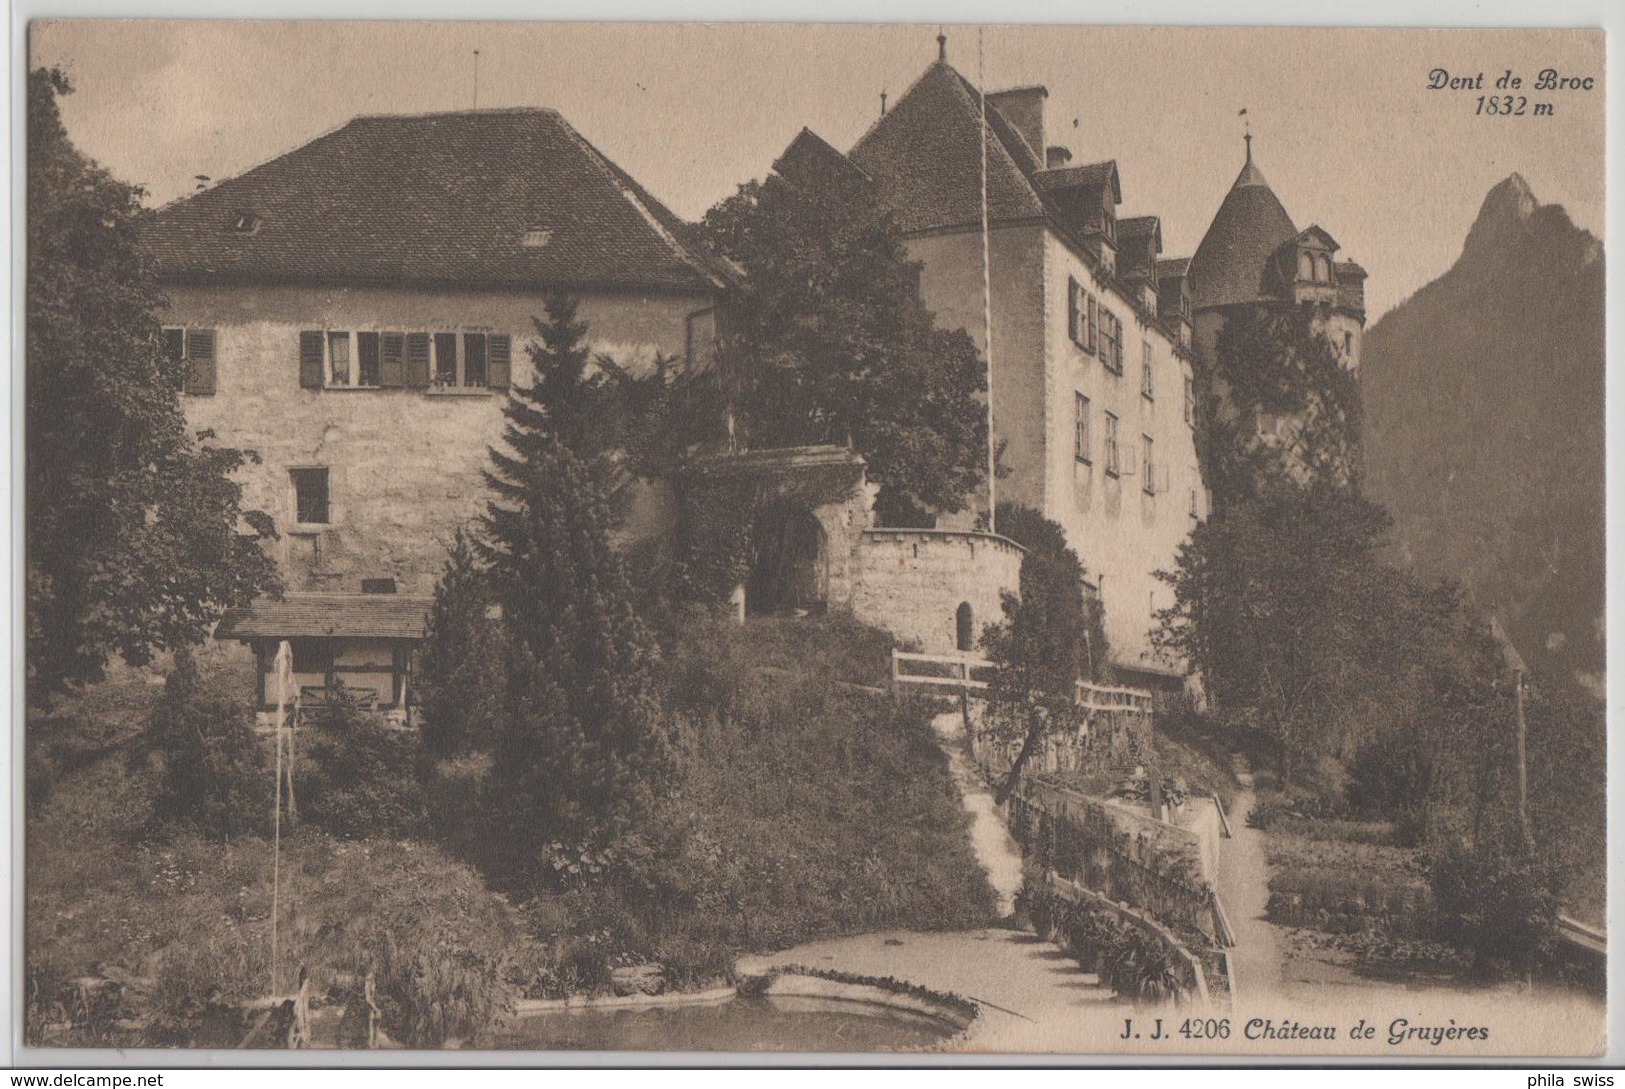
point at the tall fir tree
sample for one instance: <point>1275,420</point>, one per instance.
<point>580,749</point>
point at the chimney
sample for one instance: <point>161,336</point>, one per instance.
<point>1023,107</point>
<point>1056,157</point>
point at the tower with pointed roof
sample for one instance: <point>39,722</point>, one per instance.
<point>1253,255</point>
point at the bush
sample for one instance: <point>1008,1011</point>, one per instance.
<point>215,775</point>
<point>1390,779</point>
<point>359,773</point>
<point>1497,901</point>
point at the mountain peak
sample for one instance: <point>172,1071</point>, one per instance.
<point>1506,209</point>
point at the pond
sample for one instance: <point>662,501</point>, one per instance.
<point>743,1023</point>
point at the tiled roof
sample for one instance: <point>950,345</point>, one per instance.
<point>378,616</point>
<point>1170,267</point>
<point>1231,262</point>
<point>442,198</point>
<point>1090,175</point>
<point>925,158</point>
<point>810,154</point>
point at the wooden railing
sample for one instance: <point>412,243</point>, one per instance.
<point>961,665</point>
<point>962,675</point>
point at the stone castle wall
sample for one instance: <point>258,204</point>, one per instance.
<point>911,582</point>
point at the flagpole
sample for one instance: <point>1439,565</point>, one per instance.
<point>987,286</point>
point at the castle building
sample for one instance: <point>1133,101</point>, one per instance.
<point>353,312</point>
<point>1092,361</point>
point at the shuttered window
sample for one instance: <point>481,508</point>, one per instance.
<point>310,360</point>
<point>196,348</point>
<point>369,362</point>
<point>417,360</point>
<point>392,360</point>
<point>1093,335</point>
<point>501,366</point>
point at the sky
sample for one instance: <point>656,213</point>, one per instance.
<point>1346,129</point>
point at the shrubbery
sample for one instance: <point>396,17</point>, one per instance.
<point>1495,900</point>
<point>359,774</point>
<point>215,776</point>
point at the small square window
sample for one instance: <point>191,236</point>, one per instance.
<point>310,496</point>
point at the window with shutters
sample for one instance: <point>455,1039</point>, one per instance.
<point>310,496</point>
<point>1080,427</point>
<point>1190,400</point>
<point>1076,319</point>
<point>1111,341</point>
<point>1092,336</point>
<point>197,348</point>
<point>392,360</point>
<point>1112,460</point>
<point>1148,479</point>
<point>1147,384</point>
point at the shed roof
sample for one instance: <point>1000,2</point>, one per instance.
<point>374,616</point>
<point>441,198</point>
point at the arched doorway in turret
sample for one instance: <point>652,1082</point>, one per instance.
<point>789,568</point>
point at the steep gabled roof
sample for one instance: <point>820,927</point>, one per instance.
<point>446,198</point>
<point>1169,268</point>
<point>1317,234</point>
<point>925,158</point>
<point>810,155</point>
<point>1233,258</point>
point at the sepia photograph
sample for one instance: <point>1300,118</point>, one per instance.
<point>806,539</point>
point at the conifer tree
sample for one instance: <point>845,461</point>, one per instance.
<point>579,749</point>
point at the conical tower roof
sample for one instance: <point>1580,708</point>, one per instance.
<point>1251,224</point>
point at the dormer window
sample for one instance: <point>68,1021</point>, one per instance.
<point>1306,265</point>
<point>536,237</point>
<point>243,222</point>
<point>1323,269</point>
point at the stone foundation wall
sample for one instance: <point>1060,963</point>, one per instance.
<point>911,582</point>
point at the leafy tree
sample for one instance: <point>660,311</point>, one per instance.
<point>1051,637</point>
<point>832,342</point>
<point>1278,409</point>
<point>1282,603</point>
<point>134,535</point>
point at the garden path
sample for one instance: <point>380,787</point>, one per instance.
<point>1243,885</point>
<point>990,836</point>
